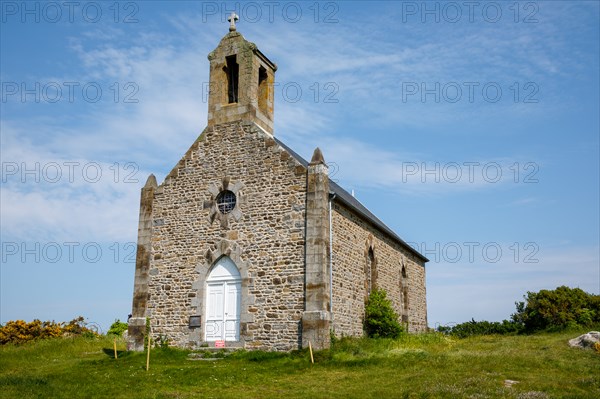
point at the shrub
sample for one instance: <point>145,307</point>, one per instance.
<point>471,328</point>
<point>19,331</point>
<point>117,328</point>
<point>380,319</point>
<point>76,326</point>
<point>557,309</point>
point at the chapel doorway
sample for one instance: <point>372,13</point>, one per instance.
<point>223,299</point>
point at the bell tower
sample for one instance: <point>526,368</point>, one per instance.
<point>241,82</point>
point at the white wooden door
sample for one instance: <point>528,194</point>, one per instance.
<point>215,306</point>
<point>223,298</point>
<point>232,311</point>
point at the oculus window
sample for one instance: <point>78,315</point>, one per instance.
<point>226,201</point>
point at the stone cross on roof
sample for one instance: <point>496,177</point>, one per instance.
<point>232,18</point>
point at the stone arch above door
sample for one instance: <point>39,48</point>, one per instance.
<point>224,269</point>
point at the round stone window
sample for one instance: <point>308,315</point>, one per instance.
<point>226,201</point>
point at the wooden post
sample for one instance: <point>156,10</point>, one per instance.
<point>148,354</point>
<point>312,359</point>
<point>115,348</point>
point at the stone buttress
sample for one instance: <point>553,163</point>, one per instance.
<point>137,322</point>
<point>316,317</point>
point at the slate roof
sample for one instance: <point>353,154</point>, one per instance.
<point>347,199</point>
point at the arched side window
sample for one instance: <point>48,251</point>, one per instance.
<point>404,290</point>
<point>370,266</point>
<point>370,271</point>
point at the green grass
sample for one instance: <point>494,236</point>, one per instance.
<point>413,366</point>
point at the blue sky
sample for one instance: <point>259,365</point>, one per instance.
<point>471,129</point>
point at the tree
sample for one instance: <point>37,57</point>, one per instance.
<point>556,309</point>
<point>380,319</point>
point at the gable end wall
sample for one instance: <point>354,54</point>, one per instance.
<point>264,235</point>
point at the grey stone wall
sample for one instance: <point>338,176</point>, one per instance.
<point>352,238</point>
<point>264,236</point>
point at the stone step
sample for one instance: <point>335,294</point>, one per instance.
<point>212,353</point>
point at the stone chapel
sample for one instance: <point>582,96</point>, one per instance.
<point>246,243</point>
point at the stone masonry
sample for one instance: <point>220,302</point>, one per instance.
<point>352,238</point>
<point>266,241</point>
<point>317,315</point>
<point>137,323</point>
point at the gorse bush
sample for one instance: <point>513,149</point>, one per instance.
<point>380,319</point>
<point>117,328</point>
<point>19,331</point>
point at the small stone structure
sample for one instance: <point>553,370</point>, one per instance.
<point>248,243</point>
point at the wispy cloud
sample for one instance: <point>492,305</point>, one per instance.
<point>49,196</point>
<point>361,164</point>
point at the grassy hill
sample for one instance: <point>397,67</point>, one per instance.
<point>413,366</point>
